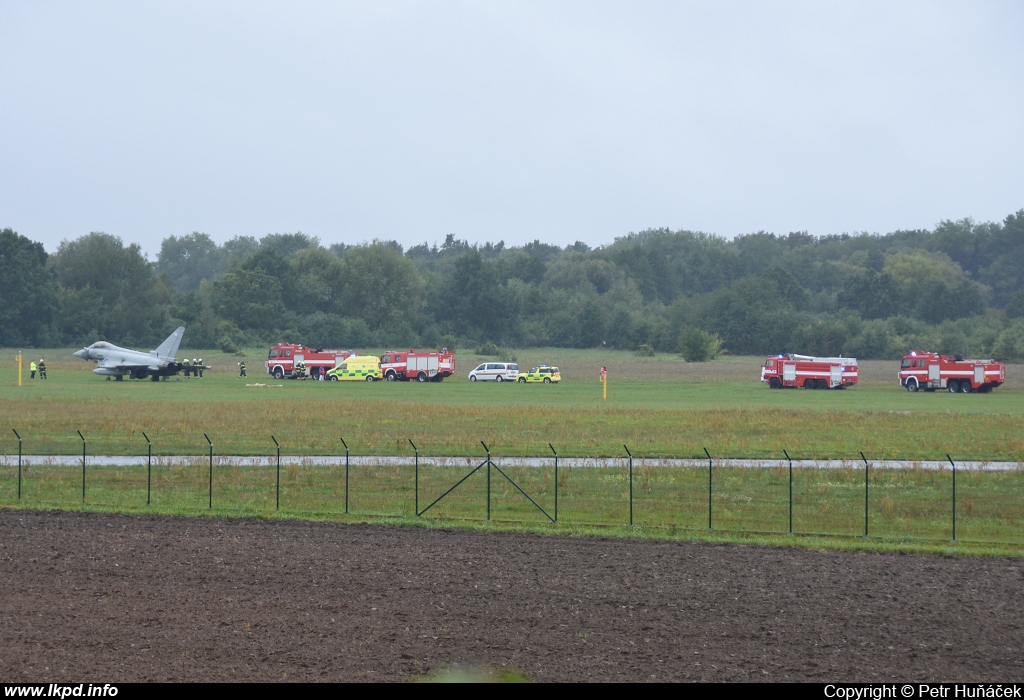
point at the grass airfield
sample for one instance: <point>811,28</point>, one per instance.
<point>659,407</point>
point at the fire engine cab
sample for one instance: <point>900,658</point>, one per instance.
<point>929,371</point>
<point>283,358</point>
<point>782,371</point>
<point>403,365</point>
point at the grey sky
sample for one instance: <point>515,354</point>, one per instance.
<point>514,121</point>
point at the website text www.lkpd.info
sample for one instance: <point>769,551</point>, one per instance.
<point>60,690</point>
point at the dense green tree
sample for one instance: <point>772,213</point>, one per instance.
<point>287,244</point>
<point>28,289</point>
<point>127,304</point>
<point>189,260</point>
<point>319,280</point>
<point>252,299</point>
<point>380,286</point>
<point>872,295</point>
<point>475,303</point>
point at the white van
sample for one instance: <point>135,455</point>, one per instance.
<point>495,372</point>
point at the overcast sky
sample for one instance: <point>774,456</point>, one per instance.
<point>509,121</point>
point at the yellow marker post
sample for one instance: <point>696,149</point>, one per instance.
<point>19,369</point>
<point>604,382</point>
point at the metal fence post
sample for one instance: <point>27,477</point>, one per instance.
<point>19,461</point>
<point>790,490</point>
<point>865,493</point>
<point>630,484</point>
<point>277,506</point>
<point>709,486</point>
<point>416,503</point>
<point>149,468</point>
<point>556,481</point>
<point>488,479</point>
<point>83,464</point>
<point>346,473</point>
<point>211,471</point>
<point>953,464</point>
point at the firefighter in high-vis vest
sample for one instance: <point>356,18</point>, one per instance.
<point>241,369</point>
<point>32,369</point>
<point>202,366</point>
<point>186,366</point>
<point>300,369</point>
<point>42,369</point>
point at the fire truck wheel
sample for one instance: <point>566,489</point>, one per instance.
<point>966,388</point>
<point>774,383</point>
<point>911,385</point>
<point>421,377</point>
<point>278,373</point>
<point>953,386</point>
<point>823,384</point>
<point>390,376</point>
<point>810,384</point>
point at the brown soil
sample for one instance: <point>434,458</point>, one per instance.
<point>102,598</point>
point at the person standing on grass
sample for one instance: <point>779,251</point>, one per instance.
<point>32,369</point>
<point>42,369</point>
<point>604,374</point>
<point>201,367</point>
<point>241,369</point>
<point>186,366</point>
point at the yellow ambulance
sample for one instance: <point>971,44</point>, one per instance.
<point>357,368</point>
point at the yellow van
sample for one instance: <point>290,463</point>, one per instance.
<point>357,368</point>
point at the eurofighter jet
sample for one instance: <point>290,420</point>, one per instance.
<point>112,361</point>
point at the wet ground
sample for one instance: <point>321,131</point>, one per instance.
<point>106,598</point>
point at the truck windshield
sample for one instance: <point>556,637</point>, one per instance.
<point>905,364</point>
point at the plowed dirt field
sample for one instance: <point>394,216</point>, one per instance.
<point>106,598</point>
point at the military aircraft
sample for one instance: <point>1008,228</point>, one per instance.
<point>112,361</point>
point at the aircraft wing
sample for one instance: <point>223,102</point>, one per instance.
<point>123,366</point>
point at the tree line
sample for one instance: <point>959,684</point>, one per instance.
<point>958,287</point>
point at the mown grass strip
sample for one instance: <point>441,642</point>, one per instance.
<point>907,506</point>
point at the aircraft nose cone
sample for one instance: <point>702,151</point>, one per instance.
<point>83,353</point>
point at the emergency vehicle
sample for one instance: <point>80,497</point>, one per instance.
<point>809,372</point>
<point>930,371</point>
<point>543,373</point>
<point>283,357</point>
<point>403,365</point>
<point>356,368</point>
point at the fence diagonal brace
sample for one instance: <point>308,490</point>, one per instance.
<point>537,505</point>
<point>457,484</point>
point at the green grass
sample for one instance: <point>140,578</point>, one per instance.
<point>905,506</point>
<point>659,407</point>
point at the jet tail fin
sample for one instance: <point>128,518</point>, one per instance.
<point>169,348</point>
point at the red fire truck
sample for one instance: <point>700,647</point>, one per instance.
<point>403,365</point>
<point>930,371</point>
<point>283,357</point>
<point>809,372</point>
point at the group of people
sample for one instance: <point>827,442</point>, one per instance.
<point>195,367</point>
<point>41,368</point>
<point>316,372</point>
